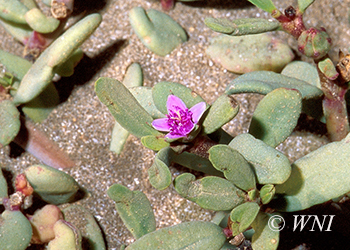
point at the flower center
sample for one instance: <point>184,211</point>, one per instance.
<point>180,121</point>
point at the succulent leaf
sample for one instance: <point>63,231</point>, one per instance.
<point>133,76</point>
<point>52,185</point>
<point>41,106</point>
<point>242,54</point>
<point>242,217</point>
<point>156,30</point>
<point>194,235</point>
<point>270,165</point>
<point>66,237</point>
<point>15,230</point>
<point>223,110</point>
<point>144,96</point>
<point>267,192</point>
<point>263,82</point>
<point>276,116</point>
<point>43,222</point>
<point>41,73</point>
<point>304,4</point>
<point>153,142</point>
<point>13,11</point>
<point>266,5</point>
<point>14,64</point>
<point>196,162</point>
<point>9,122</point>
<point>134,209</point>
<point>3,187</point>
<point>243,26</point>
<point>88,226</point>
<point>235,168</point>
<point>264,237</point>
<point>317,177</point>
<point>124,107</point>
<point>210,192</point>
<point>41,23</point>
<point>159,173</point>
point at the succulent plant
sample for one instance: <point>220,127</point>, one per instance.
<point>244,178</point>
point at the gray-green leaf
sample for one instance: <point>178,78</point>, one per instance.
<point>239,27</point>
<point>263,82</point>
<point>276,116</point>
<point>210,192</point>
<point>134,209</point>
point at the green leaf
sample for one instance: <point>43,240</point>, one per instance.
<point>124,107</point>
<point>210,192</point>
<point>223,110</point>
<point>41,106</point>
<point>3,186</point>
<point>133,76</point>
<point>9,122</point>
<point>154,142</point>
<point>243,54</point>
<point>267,192</point>
<point>327,67</point>
<point>15,230</point>
<point>14,64</point>
<point>304,4</point>
<point>276,116</point>
<point>270,165</point>
<point>264,237</point>
<point>156,30</point>
<point>194,235</point>
<point>13,11</point>
<point>162,90</point>
<point>134,209</point>
<point>144,96</point>
<point>159,173</point>
<point>21,32</point>
<point>41,23</point>
<point>319,176</point>
<point>235,168</point>
<point>242,217</point>
<point>52,185</point>
<point>40,74</point>
<point>263,82</point>
<point>66,237</point>
<point>306,72</point>
<point>66,68</point>
<point>118,138</point>
<point>87,225</point>
<point>243,26</point>
<point>303,71</point>
<point>196,162</point>
<point>266,5</point>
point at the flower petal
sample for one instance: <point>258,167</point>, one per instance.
<point>161,124</point>
<point>174,136</point>
<point>197,111</point>
<point>174,101</point>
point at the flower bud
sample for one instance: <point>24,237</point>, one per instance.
<point>314,43</point>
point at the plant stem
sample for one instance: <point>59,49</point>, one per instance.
<point>334,107</point>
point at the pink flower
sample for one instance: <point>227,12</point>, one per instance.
<point>180,120</point>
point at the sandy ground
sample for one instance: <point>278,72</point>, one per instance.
<point>82,126</point>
